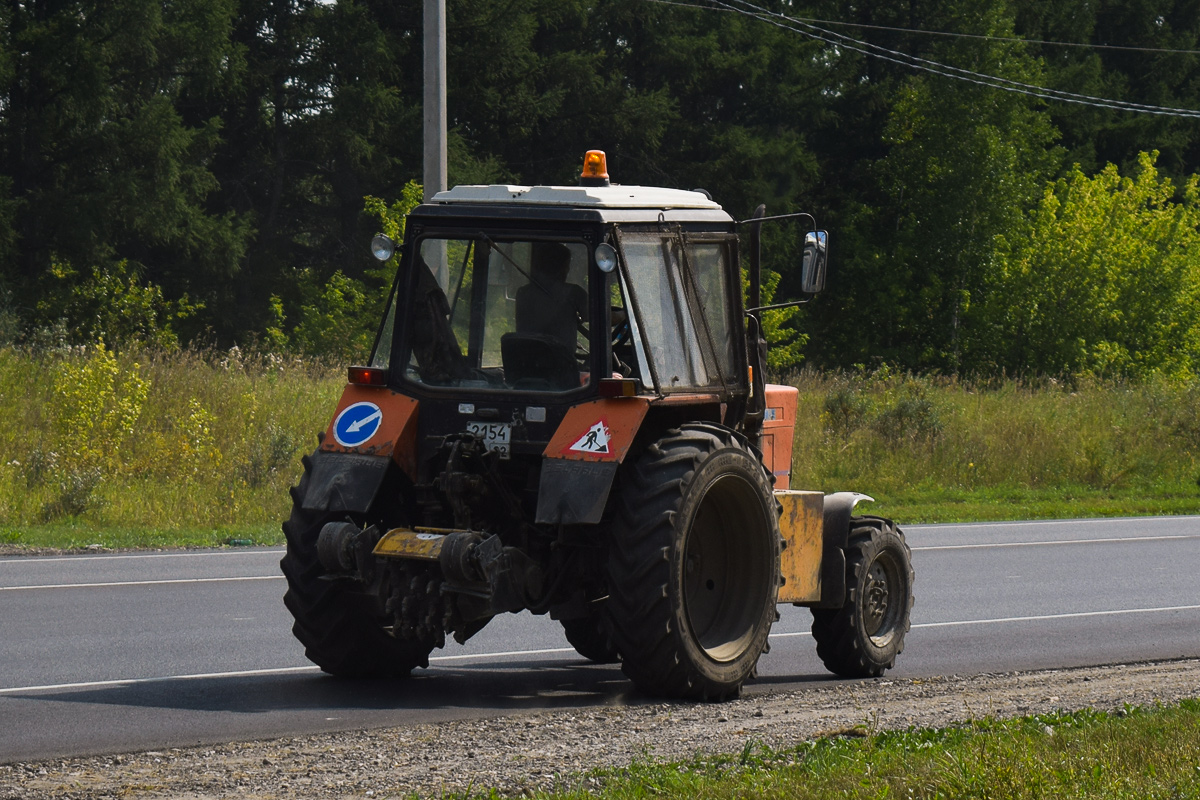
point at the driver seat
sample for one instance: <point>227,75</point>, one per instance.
<point>537,361</point>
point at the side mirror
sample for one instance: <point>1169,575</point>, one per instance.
<point>812,269</point>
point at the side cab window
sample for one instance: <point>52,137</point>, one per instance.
<point>680,289</point>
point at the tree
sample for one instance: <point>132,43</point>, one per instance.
<point>960,163</point>
<point>1105,281</point>
<point>329,112</point>
<point>99,164</point>
<point>1136,65</point>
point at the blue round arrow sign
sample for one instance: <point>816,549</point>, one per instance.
<point>356,424</point>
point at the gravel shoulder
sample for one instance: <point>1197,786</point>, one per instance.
<point>557,748</point>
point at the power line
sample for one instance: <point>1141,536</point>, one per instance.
<point>1001,38</point>
<point>997,82</point>
<point>842,41</point>
<point>949,34</point>
<point>689,5</point>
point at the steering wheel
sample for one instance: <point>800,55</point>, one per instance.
<point>622,330</point>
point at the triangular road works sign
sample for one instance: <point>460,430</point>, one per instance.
<point>594,441</point>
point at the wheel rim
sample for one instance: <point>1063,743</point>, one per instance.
<point>727,569</point>
<point>882,598</point>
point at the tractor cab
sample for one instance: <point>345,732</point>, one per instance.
<point>515,291</point>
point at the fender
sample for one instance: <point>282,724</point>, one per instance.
<point>344,481</point>
<point>375,421</point>
<point>371,428</point>
<point>582,457</point>
<point>835,537</point>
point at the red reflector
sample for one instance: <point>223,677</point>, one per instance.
<point>618,387</point>
<point>368,376</point>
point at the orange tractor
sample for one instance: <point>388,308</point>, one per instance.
<point>565,413</point>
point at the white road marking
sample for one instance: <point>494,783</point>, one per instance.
<point>1100,540</point>
<point>139,681</point>
<point>1041,522</point>
<point>251,673</point>
<point>280,550</point>
<point>1060,541</point>
<point>549,651</point>
<point>70,559</point>
<point>1034,618</point>
<point>277,551</point>
<point>1071,615</point>
<point>140,583</point>
<point>503,654</point>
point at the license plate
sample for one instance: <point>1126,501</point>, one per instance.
<point>495,435</point>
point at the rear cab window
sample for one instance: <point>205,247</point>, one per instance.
<point>499,314</point>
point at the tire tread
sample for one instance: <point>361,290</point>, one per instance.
<point>340,628</point>
<point>639,607</point>
<point>841,644</point>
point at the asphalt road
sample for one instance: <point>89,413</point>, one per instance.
<point>112,653</point>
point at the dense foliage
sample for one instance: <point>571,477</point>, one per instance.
<point>198,170</point>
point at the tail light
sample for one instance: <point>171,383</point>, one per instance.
<point>368,376</point>
<point>617,387</point>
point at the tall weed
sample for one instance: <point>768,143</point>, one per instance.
<point>93,409</point>
<point>155,438</point>
<point>185,438</point>
<point>885,432</point>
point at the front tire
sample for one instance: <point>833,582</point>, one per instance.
<point>694,564</point>
<point>863,637</point>
<point>343,630</point>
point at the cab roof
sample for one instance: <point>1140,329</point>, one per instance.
<point>648,197</point>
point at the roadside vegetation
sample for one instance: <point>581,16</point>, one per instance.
<point>160,447</point>
<point>1135,753</point>
<point>941,449</point>
<point>149,448</point>
<point>977,232</point>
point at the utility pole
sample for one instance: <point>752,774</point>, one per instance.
<point>436,177</point>
<point>435,97</point>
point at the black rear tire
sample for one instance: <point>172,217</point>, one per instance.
<point>591,639</point>
<point>863,637</point>
<point>694,564</point>
<point>343,630</point>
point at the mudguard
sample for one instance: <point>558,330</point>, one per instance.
<point>802,528</point>
<point>371,428</point>
<point>581,460</point>
<point>375,421</point>
<point>574,492</point>
<point>344,481</point>
<point>839,507</point>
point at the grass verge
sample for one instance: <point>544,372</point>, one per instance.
<point>1137,753</point>
<point>161,449</point>
<point>984,505</point>
<point>939,449</point>
<point>75,534</point>
<point>947,506</point>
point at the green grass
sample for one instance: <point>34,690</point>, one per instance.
<point>1138,754</point>
<point>976,505</point>
<point>155,449</point>
<point>943,450</point>
<point>76,534</point>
